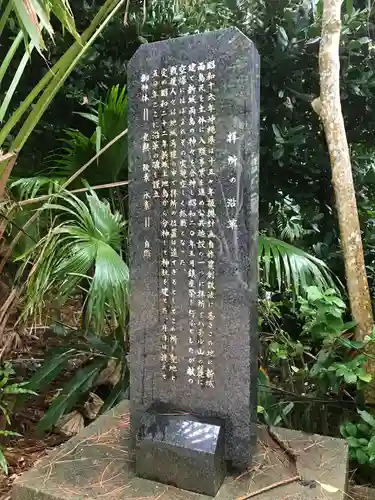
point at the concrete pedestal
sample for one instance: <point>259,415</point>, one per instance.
<point>96,465</point>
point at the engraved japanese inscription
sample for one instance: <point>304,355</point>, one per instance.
<point>193,135</point>
<point>178,147</point>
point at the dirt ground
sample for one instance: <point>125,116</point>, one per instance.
<point>26,348</point>
<point>23,452</point>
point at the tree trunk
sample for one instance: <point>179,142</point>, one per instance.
<point>329,108</point>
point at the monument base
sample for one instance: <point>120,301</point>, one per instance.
<point>180,449</point>
<point>96,465</point>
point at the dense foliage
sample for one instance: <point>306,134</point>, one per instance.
<point>287,36</point>
<point>312,369</point>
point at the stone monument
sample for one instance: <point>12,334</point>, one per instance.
<point>193,158</point>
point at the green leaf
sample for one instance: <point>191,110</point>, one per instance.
<point>10,54</point>
<point>3,462</point>
<point>53,365</point>
<point>4,380</point>
<point>34,17</point>
<point>287,409</point>
<point>340,303</point>
<point>277,132</point>
<point>366,377</point>
<point>277,421</point>
<point>287,266</point>
<point>364,39</point>
<point>353,442</point>
<point>361,456</point>
<point>366,417</point>
<point>54,79</point>
<point>29,22</point>
<point>18,389</point>
<point>282,37</point>
<point>278,152</point>
<point>349,325</point>
<point>119,390</point>
<point>89,116</point>
<point>98,141</point>
<point>364,428</point>
<point>350,377</point>
<point>78,386</point>
<point>274,347</point>
<point>15,81</point>
<point>351,429</point>
<point>5,412</point>
<point>354,44</point>
<point>363,441</point>
<point>10,433</point>
<point>104,346</point>
<point>4,17</point>
<point>349,7</point>
<point>86,243</point>
<point>63,12</point>
<point>371,447</point>
<point>343,430</point>
<point>313,293</point>
<point>350,344</point>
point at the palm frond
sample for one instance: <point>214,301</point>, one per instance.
<point>84,243</point>
<point>76,151</point>
<point>112,116</point>
<point>291,229</point>
<point>286,266</point>
<point>78,148</point>
<point>30,187</point>
<point>35,16</point>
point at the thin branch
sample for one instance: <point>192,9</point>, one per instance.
<point>270,487</point>
<point>14,224</point>
<point>290,453</point>
<point>80,190</point>
<point>99,153</point>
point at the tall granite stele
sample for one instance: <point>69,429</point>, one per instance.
<point>193,157</point>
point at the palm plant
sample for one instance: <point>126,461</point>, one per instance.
<point>85,241</point>
<point>84,245</point>
<point>109,120</point>
<point>94,356</point>
<point>82,249</point>
<point>285,266</point>
<point>33,19</point>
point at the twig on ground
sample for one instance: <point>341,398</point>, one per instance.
<point>272,486</point>
<point>291,454</point>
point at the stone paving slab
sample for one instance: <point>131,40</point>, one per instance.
<point>96,465</point>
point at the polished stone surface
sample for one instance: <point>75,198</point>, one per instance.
<point>182,450</point>
<point>233,153</point>
<point>95,465</point>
